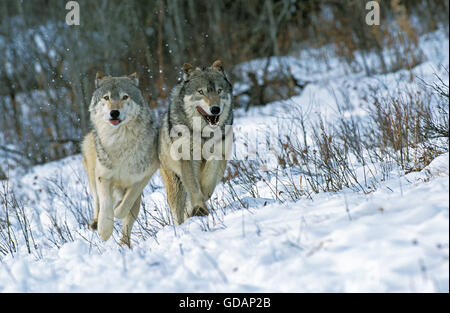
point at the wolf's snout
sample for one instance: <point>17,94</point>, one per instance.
<point>114,117</point>
<point>114,114</point>
<point>215,110</point>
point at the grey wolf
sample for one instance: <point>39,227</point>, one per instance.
<point>203,95</point>
<point>120,154</point>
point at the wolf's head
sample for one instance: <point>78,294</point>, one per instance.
<point>116,100</point>
<point>207,91</point>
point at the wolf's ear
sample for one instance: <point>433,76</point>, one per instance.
<point>218,65</point>
<point>134,78</point>
<point>99,77</point>
<point>187,70</point>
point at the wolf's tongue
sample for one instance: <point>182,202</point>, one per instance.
<point>114,122</point>
<point>202,112</point>
<point>211,119</point>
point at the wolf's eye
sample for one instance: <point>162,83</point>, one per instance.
<point>219,91</point>
<point>106,98</point>
<point>200,92</point>
<point>125,97</point>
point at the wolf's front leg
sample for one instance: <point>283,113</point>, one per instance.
<point>211,175</point>
<point>131,195</point>
<point>190,176</point>
<point>105,223</point>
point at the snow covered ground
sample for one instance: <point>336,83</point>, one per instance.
<point>394,239</point>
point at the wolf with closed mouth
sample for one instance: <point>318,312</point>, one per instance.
<point>202,98</point>
<point>120,154</point>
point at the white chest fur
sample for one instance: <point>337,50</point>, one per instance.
<point>127,149</point>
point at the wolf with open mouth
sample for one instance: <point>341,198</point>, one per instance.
<point>204,96</point>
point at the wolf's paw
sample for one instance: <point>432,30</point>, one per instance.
<point>93,224</point>
<point>200,210</point>
<point>125,241</point>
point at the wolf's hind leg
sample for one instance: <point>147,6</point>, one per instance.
<point>128,223</point>
<point>176,194</point>
<point>93,189</point>
<point>89,160</point>
<point>94,223</point>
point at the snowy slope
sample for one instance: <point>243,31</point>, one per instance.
<point>390,240</point>
<point>395,239</point>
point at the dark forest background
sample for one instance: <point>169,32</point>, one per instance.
<point>47,68</point>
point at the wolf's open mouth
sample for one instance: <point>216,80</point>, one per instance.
<point>212,120</point>
<point>115,121</point>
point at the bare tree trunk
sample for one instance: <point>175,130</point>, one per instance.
<point>273,27</point>
<point>179,20</point>
<point>160,82</point>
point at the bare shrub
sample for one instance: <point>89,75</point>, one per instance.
<point>403,131</point>
<point>15,228</point>
<point>405,127</point>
